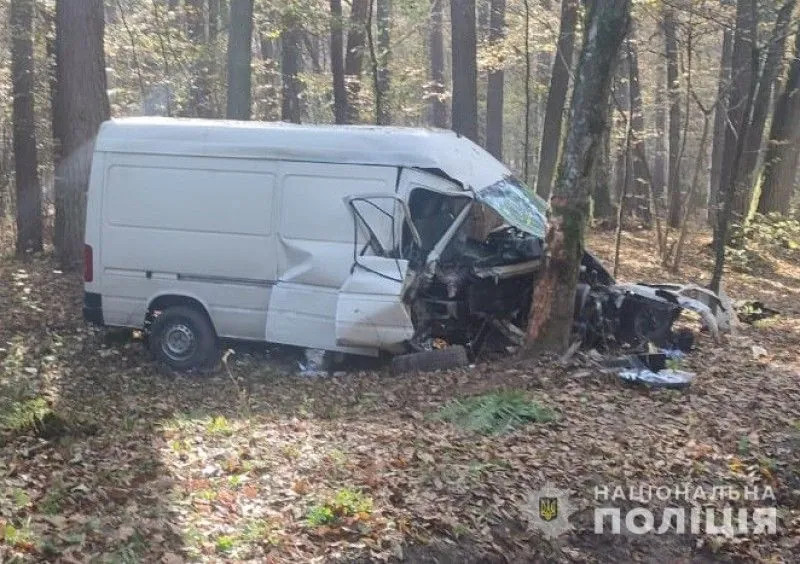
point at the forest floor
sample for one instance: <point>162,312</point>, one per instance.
<point>124,463</point>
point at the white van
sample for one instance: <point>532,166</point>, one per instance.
<point>351,239</point>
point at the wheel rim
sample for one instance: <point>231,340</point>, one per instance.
<point>179,342</point>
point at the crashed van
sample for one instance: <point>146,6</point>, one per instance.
<point>362,240</point>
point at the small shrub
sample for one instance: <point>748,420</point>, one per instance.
<point>225,543</point>
<point>494,413</point>
<point>219,425</point>
<point>345,503</point>
<point>23,416</point>
<point>320,515</point>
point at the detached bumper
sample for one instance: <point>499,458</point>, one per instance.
<point>93,308</point>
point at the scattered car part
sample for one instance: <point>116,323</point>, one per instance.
<point>453,356</point>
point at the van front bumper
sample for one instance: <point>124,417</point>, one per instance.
<point>93,308</point>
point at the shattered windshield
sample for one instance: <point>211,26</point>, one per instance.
<point>516,204</point>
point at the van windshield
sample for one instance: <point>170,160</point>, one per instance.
<point>517,204</point>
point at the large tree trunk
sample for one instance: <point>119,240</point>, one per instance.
<point>84,101</point>
<point>720,125</point>
<point>26,174</point>
<point>742,75</point>
<point>552,310</point>
<point>291,62</point>
<point>240,42</point>
<point>744,82</point>
<point>465,68</point>
<point>674,96</point>
<point>436,90</point>
<point>337,63</point>
<point>495,84</point>
<point>383,12</point>
<point>783,149</point>
<point>354,59</point>
<point>761,106</point>
<point>556,97</point>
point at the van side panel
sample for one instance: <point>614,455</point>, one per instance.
<point>191,226</point>
<point>315,248</point>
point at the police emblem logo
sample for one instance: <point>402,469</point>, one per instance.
<point>548,508</point>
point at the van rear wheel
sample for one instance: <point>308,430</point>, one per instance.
<point>182,338</point>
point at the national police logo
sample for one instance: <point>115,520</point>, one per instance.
<point>548,511</point>
<point>548,508</point>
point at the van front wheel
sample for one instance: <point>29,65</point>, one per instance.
<point>182,338</point>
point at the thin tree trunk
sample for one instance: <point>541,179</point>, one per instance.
<point>56,120</point>
<point>556,98</point>
<point>240,41</point>
<point>640,175</point>
<point>674,96</point>
<point>603,209</point>
<point>745,61</point>
<point>552,310</point>
<point>527,153</point>
<point>354,58</point>
<point>783,148</point>
<point>291,41</point>
<point>84,101</point>
<point>720,125</point>
<point>660,146</point>
<point>383,12</point>
<point>761,106</point>
<point>465,68</point>
<point>436,93</point>
<point>201,103</point>
<point>495,84</point>
<point>26,173</point>
<point>337,63</point>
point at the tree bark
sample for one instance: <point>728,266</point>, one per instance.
<point>495,85</point>
<point>354,58</point>
<point>660,146</point>
<point>761,107</point>
<point>240,42</point>
<point>84,101</point>
<point>742,75</point>
<point>601,194</point>
<point>720,125</point>
<point>465,68</point>
<point>383,12</point>
<point>291,61</point>
<point>783,148</point>
<point>744,82</point>
<point>337,63</point>
<point>26,172</point>
<point>674,97</point>
<point>552,310</point>
<point>640,182</point>
<point>436,91</point>
<point>556,97</point>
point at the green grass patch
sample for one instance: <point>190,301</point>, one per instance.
<point>346,502</point>
<point>498,412</point>
<point>22,416</point>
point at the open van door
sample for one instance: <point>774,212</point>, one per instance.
<point>370,310</point>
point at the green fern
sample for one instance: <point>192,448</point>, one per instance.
<point>499,412</point>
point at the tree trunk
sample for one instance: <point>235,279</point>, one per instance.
<point>552,310</point>
<point>603,208</point>
<point>783,149</point>
<point>337,63</point>
<point>291,61</point>
<point>354,58</point>
<point>761,107</point>
<point>556,97</point>
<point>495,84</point>
<point>240,42</point>
<point>640,183</point>
<point>741,75</point>
<point>660,146</point>
<point>720,125</point>
<point>84,101</point>
<point>674,96</point>
<point>26,172</point>
<point>200,100</point>
<point>383,12</point>
<point>744,81</point>
<point>465,69</point>
<point>56,121</point>
<point>436,93</point>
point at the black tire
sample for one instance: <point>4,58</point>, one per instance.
<point>183,338</point>
<point>430,361</point>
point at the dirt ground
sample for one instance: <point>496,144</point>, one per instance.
<point>127,463</point>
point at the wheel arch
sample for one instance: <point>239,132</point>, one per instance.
<point>164,300</point>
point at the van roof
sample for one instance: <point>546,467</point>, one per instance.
<point>454,155</point>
